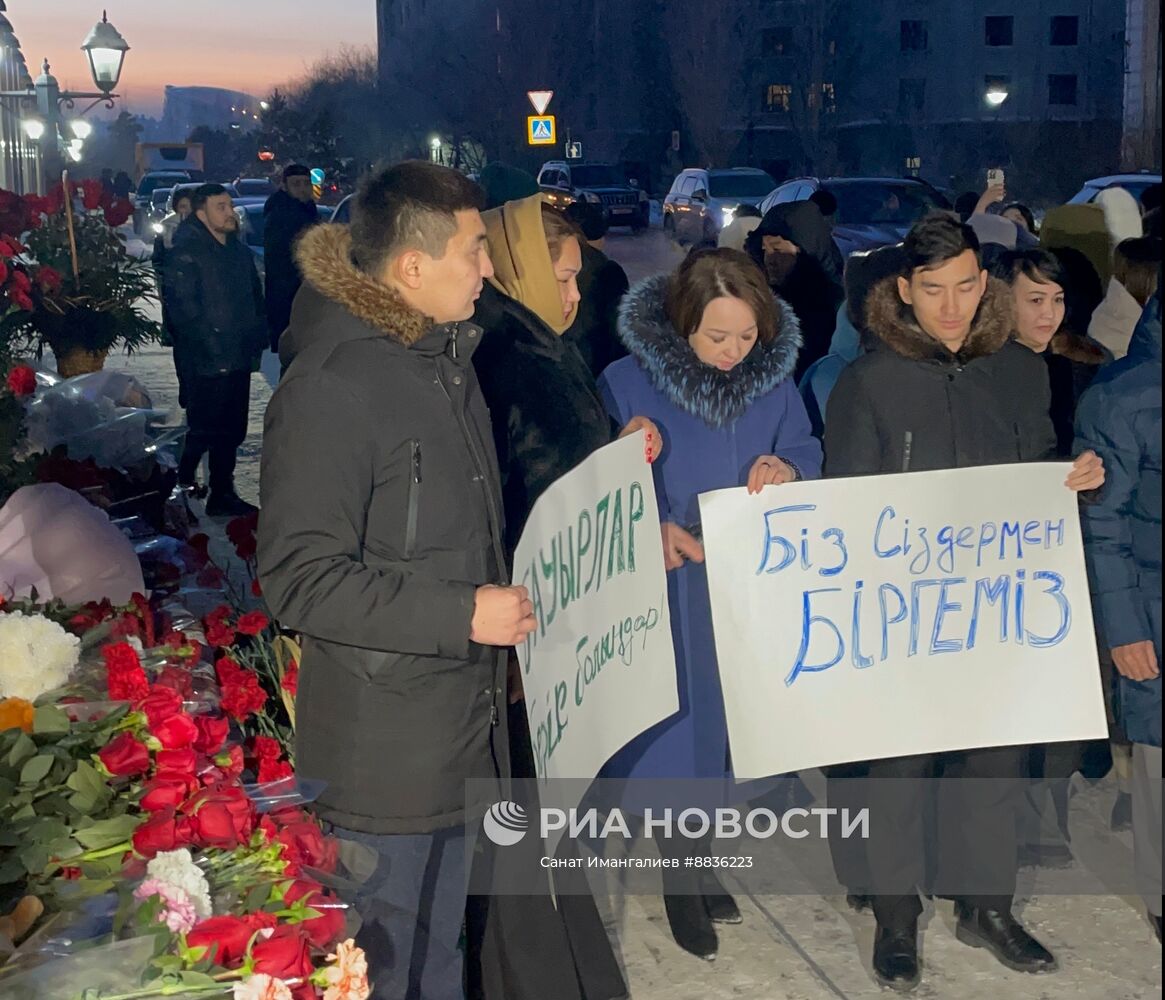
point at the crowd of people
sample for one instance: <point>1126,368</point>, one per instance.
<point>454,351</point>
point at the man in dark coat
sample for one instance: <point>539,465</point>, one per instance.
<point>1120,416</point>
<point>602,283</point>
<point>288,213</point>
<point>216,315</point>
<point>381,542</point>
<point>944,387</point>
<point>794,246</point>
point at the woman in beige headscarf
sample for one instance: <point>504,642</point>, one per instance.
<point>547,417</point>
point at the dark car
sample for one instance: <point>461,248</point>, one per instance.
<point>871,211</point>
<point>252,222</point>
<point>600,184</point>
<point>701,202</point>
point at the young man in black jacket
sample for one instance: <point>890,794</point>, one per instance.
<point>381,542</point>
<point>217,323</point>
<point>289,212</point>
<point>944,386</point>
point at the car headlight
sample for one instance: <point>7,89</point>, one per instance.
<point>591,198</point>
<point>727,214</point>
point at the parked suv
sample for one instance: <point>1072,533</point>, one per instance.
<point>597,184</point>
<point>871,211</point>
<point>702,202</point>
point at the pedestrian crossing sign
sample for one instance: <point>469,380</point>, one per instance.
<point>541,131</point>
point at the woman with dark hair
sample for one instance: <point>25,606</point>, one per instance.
<point>712,354</point>
<point>1021,215</point>
<point>1039,283</point>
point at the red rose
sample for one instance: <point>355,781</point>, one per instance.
<point>290,682</point>
<point>146,613</point>
<point>22,381</point>
<point>160,704</point>
<point>231,762</point>
<point>164,792</point>
<point>228,937</point>
<point>125,678</point>
<point>177,679</point>
<point>242,527</point>
<point>222,817</point>
<point>253,623</point>
<point>305,845</point>
<point>324,930</point>
<point>177,732</point>
<point>20,282</point>
<point>161,832</point>
<point>274,770</point>
<point>184,761</point>
<point>125,756</point>
<point>212,733</point>
<point>286,954</point>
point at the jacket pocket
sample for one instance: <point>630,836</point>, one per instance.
<point>414,502</point>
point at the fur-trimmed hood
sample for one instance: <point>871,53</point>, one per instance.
<point>891,324</point>
<point>324,255</point>
<point>716,397</point>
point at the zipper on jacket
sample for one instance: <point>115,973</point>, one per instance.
<point>414,499</point>
<point>453,341</point>
<point>907,447</point>
<point>1018,442</point>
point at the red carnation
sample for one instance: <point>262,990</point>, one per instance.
<point>125,678</point>
<point>253,623</point>
<point>49,279</point>
<point>22,381</point>
<point>92,193</point>
<point>266,748</point>
<point>290,682</point>
<point>219,634</point>
<point>271,771</point>
<point>118,212</point>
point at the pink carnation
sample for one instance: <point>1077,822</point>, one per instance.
<point>177,912</point>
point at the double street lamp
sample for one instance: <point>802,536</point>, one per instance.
<point>44,104</point>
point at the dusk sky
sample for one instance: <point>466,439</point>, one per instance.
<point>247,45</point>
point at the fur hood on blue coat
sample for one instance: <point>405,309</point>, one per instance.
<point>716,397</point>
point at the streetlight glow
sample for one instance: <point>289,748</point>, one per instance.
<point>81,128</point>
<point>996,96</point>
<point>33,128</point>
<point>106,50</point>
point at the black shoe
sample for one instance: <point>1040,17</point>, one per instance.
<point>228,505</point>
<point>1046,856</point>
<point>896,957</point>
<point>1122,813</point>
<point>1001,934</point>
<point>691,926</point>
<point>1156,922</point>
<point>859,901</point>
<point>720,905</point>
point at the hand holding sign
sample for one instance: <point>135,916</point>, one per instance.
<point>768,470</point>
<point>1087,473</point>
<point>679,546</point>
<point>652,441</point>
<point>502,616</point>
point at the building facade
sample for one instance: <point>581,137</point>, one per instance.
<point>19,155</point>
<point>796,86</point>
<point>1141,145</point>
<point>185,108</point>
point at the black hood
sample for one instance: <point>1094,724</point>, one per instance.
<point>802,223</point>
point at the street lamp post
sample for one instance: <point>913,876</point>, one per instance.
<point>105,50</point>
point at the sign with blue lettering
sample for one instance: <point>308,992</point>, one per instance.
<point>900,615</point>
<point>541,130</point>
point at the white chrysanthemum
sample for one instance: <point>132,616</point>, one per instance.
<point>36,655</point>
<point>177,868</point>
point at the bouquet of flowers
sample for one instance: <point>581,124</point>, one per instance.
<point>70,284</point>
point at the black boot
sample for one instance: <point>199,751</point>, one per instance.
<point>1000,933</point>
<point>896,957</point>
<point>691,926</point>
<point>1156,922</point>
<point>224,504</point>
<point>1122,813</point>
<point>859,901</point>
<point>720,905</point>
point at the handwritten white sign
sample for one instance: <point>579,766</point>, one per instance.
<point>858,619</point>
<point>600,668</point>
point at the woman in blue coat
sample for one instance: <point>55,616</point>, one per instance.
<point>712,354</point>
